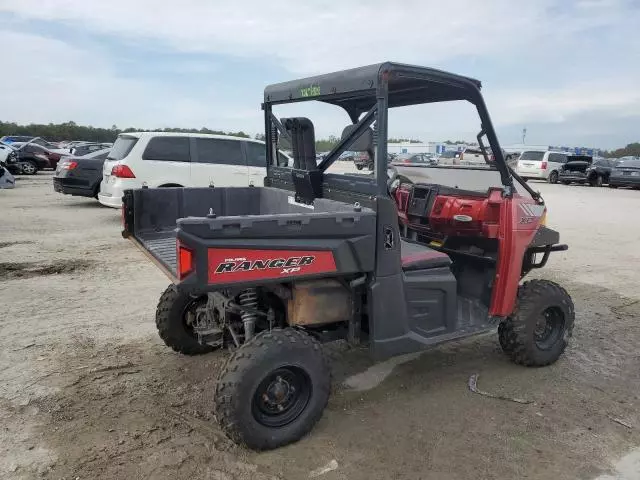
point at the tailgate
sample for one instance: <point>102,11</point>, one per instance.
<point>157,242</point>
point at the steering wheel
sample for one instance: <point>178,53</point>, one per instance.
<point>395,180</point>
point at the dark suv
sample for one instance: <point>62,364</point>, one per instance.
<point>583,169</point>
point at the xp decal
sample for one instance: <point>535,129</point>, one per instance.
<point>231,265</point>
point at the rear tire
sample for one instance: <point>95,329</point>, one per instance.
<point>553,177</point>
<point>29,168</point>
<point>172,325</point>
<point>566,183</point>
<point>596,182</point>
<point>359,167</point>
<point>537,332</point>
<point>370,167</point>
<point>273,389</point>
<point>613,186</point>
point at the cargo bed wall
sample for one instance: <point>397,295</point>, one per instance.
<point>157,210</point>
<point>259,219</point>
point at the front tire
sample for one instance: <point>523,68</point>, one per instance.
<point>596,182</point>
<point>172,321</point>
<point>29,168</point>
<point>359,167</point>
<point>537,332</point>
<point>273,389</point>
<point>553,177</point>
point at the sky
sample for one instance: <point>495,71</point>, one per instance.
<point>566,70</point>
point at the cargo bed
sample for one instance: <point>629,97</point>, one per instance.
<point>244,219</point>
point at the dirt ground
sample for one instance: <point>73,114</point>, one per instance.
<point>88,391</point>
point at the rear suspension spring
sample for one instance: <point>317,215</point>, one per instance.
<point>249,298</point>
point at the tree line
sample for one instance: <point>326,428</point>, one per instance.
<point>72,131</point>
<point>632,149</point>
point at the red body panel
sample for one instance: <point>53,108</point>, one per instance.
<point>512,221</point>
<point>237,265</point>
<point>517,228</point>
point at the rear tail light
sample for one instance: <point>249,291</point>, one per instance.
<point>185,260</point>
<point>544,165</point>
<point>122,171</point>
<point>68,165</point>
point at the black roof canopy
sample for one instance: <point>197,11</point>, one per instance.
<point>355,89</point>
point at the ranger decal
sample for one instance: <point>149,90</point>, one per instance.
<point>236,265</point>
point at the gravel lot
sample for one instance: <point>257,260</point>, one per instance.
<point>87,390</point>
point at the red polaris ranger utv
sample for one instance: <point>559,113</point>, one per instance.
<point>272,272</point>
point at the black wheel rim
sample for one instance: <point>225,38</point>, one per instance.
<point>281,397</point>
<point>549,328</point>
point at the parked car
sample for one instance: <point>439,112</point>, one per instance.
<point>15,138</point>
<point>166,159</point>
<point>583,169</point>
<point>625,173</point>
<point>83,149</point>
<point>5,151</point>
<point>449,157</point>
<point>7,180</point>
<point>472,156</point>
<point>415,158</point>
<point>53,154</point>
<point>362,160</point>
<point>33,157</point>
<point>540,164</point>
<point>80,175</point>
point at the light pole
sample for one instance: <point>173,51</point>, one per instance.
<point>524,134</point>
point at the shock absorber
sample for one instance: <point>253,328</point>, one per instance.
<point>249,298</point>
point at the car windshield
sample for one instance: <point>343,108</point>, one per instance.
<point>532,155</point>
<point>122,147</point>
<point>630,163</point>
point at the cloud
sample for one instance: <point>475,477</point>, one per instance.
<point>320,35</point>
<point>548,62</point>
<point>56,82</point>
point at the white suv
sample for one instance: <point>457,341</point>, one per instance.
<point>165,159</point>
<point>540,164</point>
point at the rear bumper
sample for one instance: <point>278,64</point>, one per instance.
<point>68,187</point>
<point>625,181</point>
<point>572,177</point>
<point>110,200</point>
<point>542,174</point>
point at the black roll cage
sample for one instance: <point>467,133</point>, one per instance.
<point>371,91</point>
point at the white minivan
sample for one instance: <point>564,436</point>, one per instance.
<point>166,159</point>
<point>540,164</point>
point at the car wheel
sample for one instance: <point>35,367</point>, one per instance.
<point>537,332</point>
<point>359,167</point>
<point>370,167</point>
<point>175,316</point>
<point>613,186</point>
<point>596,181</point>
<point>273,389</point>
<point>29,168</point>
<point>553,177</point>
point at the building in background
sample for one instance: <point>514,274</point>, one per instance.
<point>424,147</point>
<point>520,147</point>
